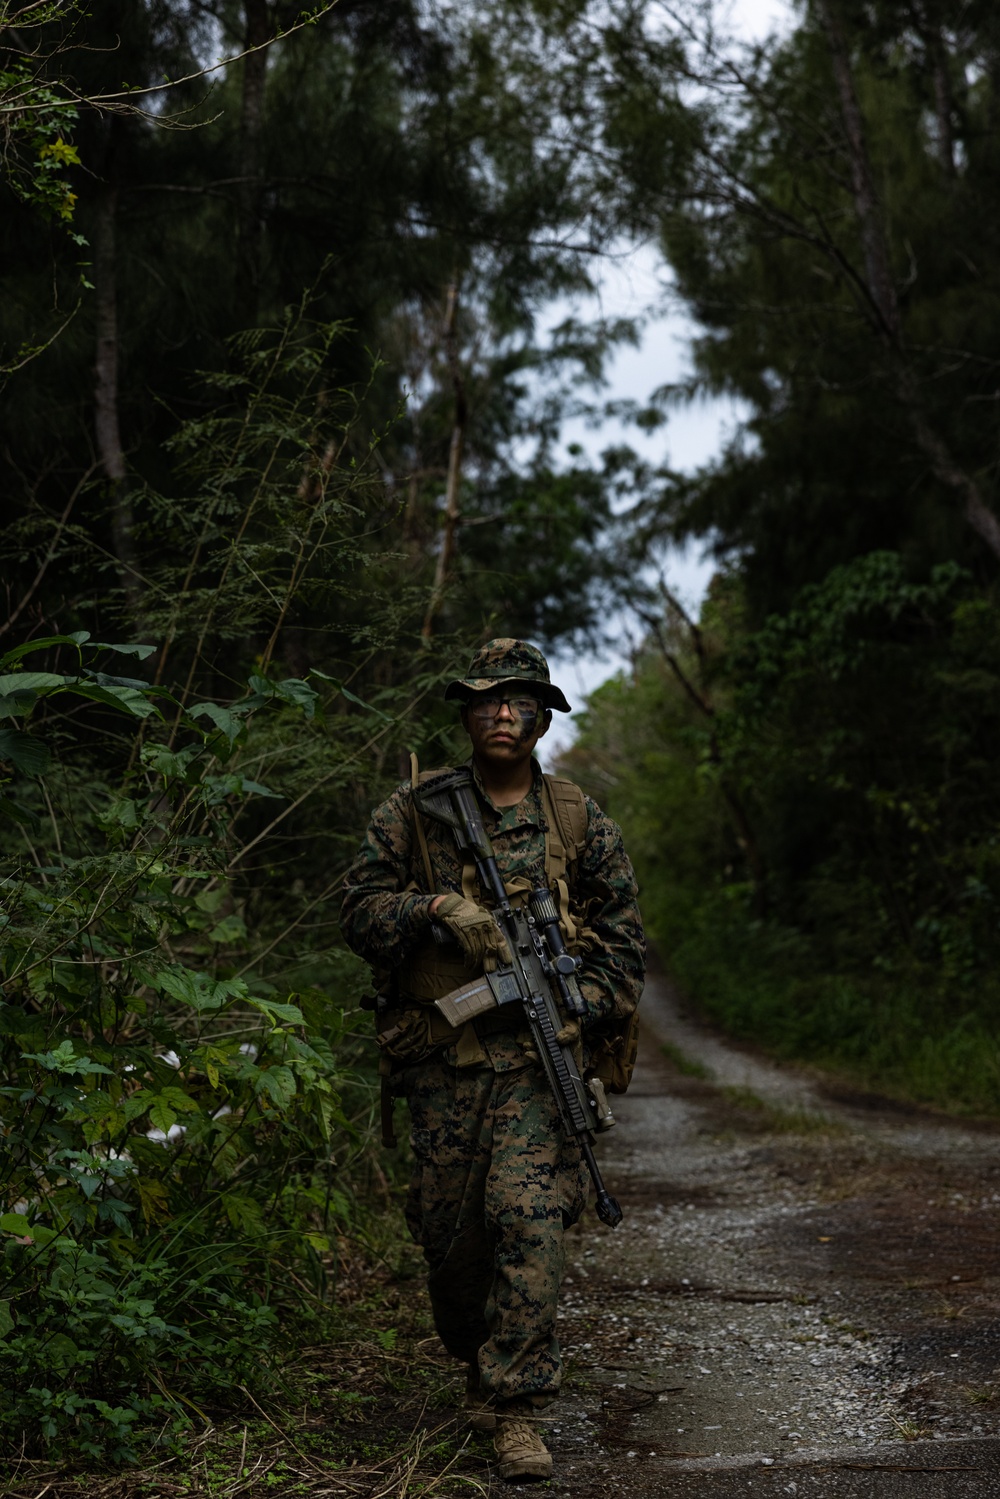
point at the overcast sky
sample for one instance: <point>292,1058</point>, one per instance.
<point>630,284</point>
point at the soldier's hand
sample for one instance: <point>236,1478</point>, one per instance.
<point>474,928</point>
<point>569,1034</point>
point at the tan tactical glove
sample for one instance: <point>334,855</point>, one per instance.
<point>569,1034</point>
<point>481,940</point>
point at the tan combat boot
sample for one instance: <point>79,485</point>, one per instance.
<point>522,1455</point>
<point>479,1412</point>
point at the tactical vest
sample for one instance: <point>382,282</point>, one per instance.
<point>413,1027</point>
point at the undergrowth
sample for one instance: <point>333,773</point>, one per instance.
<point>188,1081</point>
<point>899,1032</point>
<point>374,1408</point>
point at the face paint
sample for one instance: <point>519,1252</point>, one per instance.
<point>504,730</point>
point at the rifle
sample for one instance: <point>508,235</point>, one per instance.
<point>540,969</point>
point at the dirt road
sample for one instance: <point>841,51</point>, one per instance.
<point>802,1299</point>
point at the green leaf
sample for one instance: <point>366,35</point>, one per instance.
<point>300,694</point>
<point>254,788</point>
<point>350,696</point>
<point>278,1083</point>
<point>190,988</point>
<point>44,644</point>
<point>179,1100</point>
<point>225,721</point>
<point>198,990</point>
<point>17,1223</point>
<point>243,1212</point>
<point>291,690</point>
<point>290,1013</point>
<point>64,1059</point>
<point>116,1211</point>
<point>128,698</point>
<point>16,683</point>
<point>6,1320</point>
<point>137,1104</point>
<point>104,679</point>
<point>122,813</point>
<point>16,704</point>
<point>27,754</point>
<point>211,900</point>
<point>230,929</point>
<point>169,762</point>
<point>63,1055</point>
<point>141,651</point>
<point>161,1115</point>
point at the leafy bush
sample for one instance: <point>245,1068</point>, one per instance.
<point>814,824</point>
<point>174,1131</point>
<point>186,1100</point>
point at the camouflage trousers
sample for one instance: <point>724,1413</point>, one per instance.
<point>495,1185</point>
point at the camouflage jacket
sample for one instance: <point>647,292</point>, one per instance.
<point>386,909</point>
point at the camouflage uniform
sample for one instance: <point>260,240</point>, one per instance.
<point>495,1180</point>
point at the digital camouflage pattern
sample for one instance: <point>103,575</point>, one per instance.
<point>495,1183</point>
<point>507,660</point>
<point>386,909</point>
<point>495,1180</point>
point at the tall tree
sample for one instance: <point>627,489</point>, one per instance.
<point>376,158</point>
<point>829,212</point>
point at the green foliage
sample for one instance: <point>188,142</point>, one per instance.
<point>755,201</point>
<point>37,114</point>
<point>432,152</point>
<point>856,735</point>
<point>817,839</point>
<point>186,1094</point>
<point>173,1130</point>
<point>863,724</point>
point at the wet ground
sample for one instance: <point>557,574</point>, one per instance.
<point>802,1300</point>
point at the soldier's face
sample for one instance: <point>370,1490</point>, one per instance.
<point>503,732</point>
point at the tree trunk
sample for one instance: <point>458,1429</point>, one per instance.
<point>452,511</point>
<point>699,696</point>
<point>944,108</point>
<point>882,294</point>
<point>874,249</point>
<point>256,34</point>
<point>936,53</point>
<point>107,428</point>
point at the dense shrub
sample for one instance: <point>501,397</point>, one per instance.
<point>814,823</point>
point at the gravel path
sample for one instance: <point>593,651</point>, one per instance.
<point>802,1299</point>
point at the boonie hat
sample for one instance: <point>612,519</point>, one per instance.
<point>505,662</point>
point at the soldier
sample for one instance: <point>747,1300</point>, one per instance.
<point>496,1182</point>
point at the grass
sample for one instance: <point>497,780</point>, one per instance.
<point>370,1413</point>
<point>984,1394</point>
<point>910,1431</point>
<point>684,1063</point>
<point>900,1029</point>
<point>777,1120</point>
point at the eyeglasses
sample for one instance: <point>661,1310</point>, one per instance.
<point>524,708</point>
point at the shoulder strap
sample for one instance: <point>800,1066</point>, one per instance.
<point>566,806</point>
<point>469,889</point>
<point>566,814</point>
<point>418,823</point>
